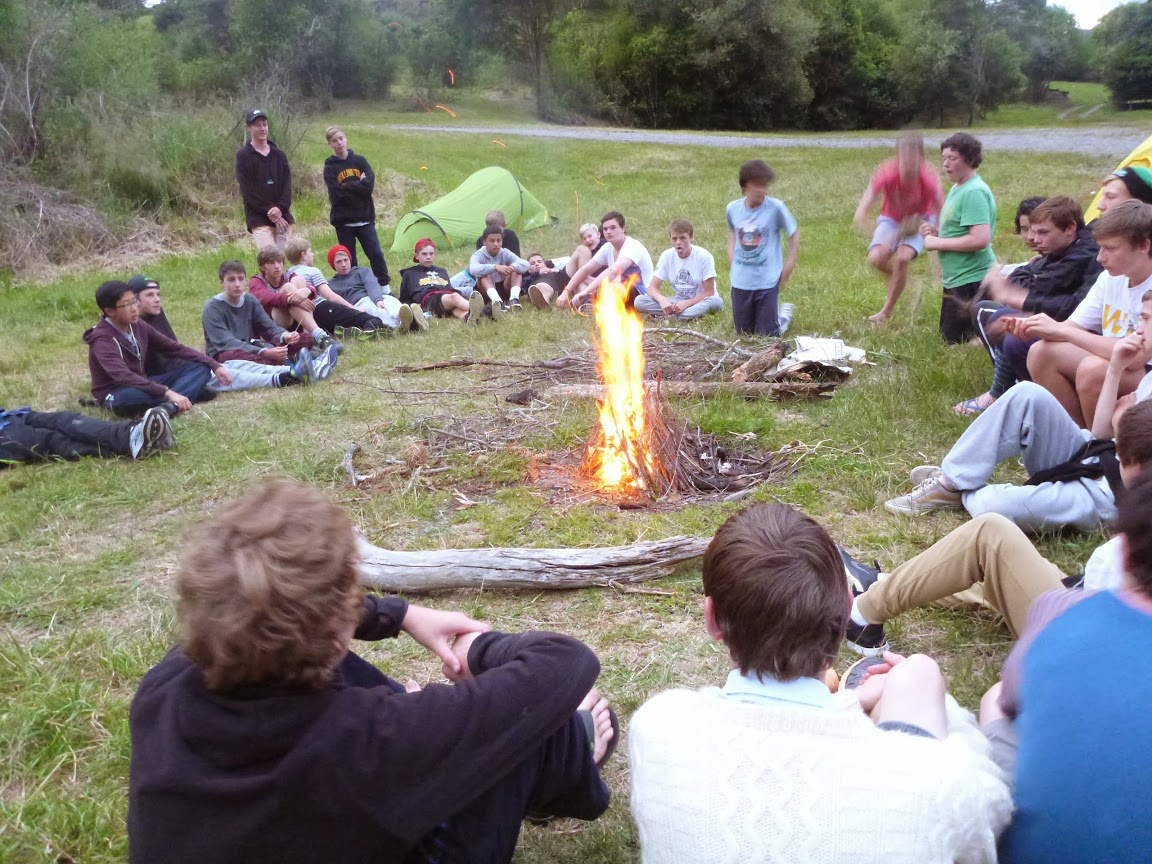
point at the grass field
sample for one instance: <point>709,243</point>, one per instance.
<point>89,548</point>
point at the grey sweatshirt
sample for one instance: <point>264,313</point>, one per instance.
<point>483,264</point>
<point>358,283</point>
<point>238,328</point>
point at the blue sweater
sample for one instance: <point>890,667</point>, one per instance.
<point>1082,784</point>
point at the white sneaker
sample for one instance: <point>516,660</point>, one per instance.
<point>929,495</point>
<point>325,362</point>
<point>418,317</point>
<point>405,318</point>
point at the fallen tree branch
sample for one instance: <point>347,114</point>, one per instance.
<point>684,331</point>
<point>513,568</point>
<point>776,390</point>
<point>560,363</point>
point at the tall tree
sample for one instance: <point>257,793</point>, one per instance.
<point>1124,39</point>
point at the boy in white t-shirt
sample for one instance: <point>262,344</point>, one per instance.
<point>691,271</point>
<point>1072,357</point>
<point>623,258</point>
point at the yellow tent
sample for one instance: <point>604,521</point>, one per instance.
<point>1142,155</point>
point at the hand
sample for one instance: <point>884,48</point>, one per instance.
<point>562,300</point>
<point>460,649</point>
<point>860,222</point>
<point>274,215</point>
<point>436,630</point>
<point>504,269</point>
<point>380,304</point>
<point>1011,324</point>
<point>673,309</point>
<point>183,403</point>
<point>278,354</point>
<point>223,376</point>
<point>1125,351</point>
<point>1042,326</point>
<point>872,689</point>
<point>290,338</point>
<point>786,274</point>
<point>927,229</point>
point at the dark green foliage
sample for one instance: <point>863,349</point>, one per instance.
<point>1124,38</point>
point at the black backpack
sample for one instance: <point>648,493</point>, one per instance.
<point>1078,467</point>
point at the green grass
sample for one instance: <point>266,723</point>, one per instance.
<point>88,549</point>
<point>1088,104</point>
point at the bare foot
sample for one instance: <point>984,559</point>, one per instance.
<point>880,317</point>
<point>973,406</point>
<point>601,722</point>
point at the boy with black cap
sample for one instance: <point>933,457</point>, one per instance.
<point>265,184</point>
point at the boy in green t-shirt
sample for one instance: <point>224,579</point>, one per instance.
<point>964,238</point>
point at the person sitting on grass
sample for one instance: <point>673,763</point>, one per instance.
<point>1073,475</point>
<point>264,737</point>
<point>120,348</point>
<point>1069,357</point>
<point>1054,282</point>
<point>46,436</point>
<point>359,287</point>
<point>691,271</point>
<point>1133,182</point>
<point>289,305</point>
<point>508,238</point>
<point>427,287</point>
<point>260,353</point>
<point>1073,733</point>
<point>544,280</point>
<point>549,289</point>
<point>498,271</point>
<point>773,767</point>
<point>756,226</point>
<point>964,235</point>
<point>335,314</point>
<point>621,259</point>
<point>993,553</point>
<point>910,193</point>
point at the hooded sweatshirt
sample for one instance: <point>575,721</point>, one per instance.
<point>115,362</point>
<point>419,280</point>
<point>265,182</point>
<point>350,182</point>
<point>345,773</point>
<point>358,284</point>
<point>1058,282</point>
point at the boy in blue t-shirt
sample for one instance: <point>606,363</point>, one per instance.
<point>755,223</point>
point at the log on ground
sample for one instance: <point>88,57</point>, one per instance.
<point>776,390</point>
<point>515,568</point>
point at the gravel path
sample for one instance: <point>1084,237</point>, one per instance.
<point>1116,141</point>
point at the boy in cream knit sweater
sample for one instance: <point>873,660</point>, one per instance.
<point>773,767</point>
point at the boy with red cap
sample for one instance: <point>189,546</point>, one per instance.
<point>428,287</point>
<point>359,286</point>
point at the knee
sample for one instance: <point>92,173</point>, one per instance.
<point>919,673</point>
<point>1090,373</point>
<point>1038,356</point>
<point>878,256</point>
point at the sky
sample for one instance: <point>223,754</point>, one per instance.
<point>1088,12</point>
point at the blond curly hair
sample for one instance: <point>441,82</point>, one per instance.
<point>268,589</point>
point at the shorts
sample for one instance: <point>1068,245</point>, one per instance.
<point>887,233</point>
<point>433,302</point>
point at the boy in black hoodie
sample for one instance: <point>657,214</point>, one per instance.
<point>263,738</point>
<point>350,182</point>
<point>428,286</point>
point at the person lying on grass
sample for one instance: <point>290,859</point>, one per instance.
<point>1073,473</point>
<point>498,271</point>
<point>359,287</point>
<point>544,280</point>
<point>690,270</point>
<point>994,553</point>
<point>1054,282</point>
<point>120,349</point>
<point>264,737</point>
<point>331,311</point>
<point>1070,357</point>
<point>40,436</point>
<point>1073,733</point>
<point>428,288</point>
<point>773,767</point>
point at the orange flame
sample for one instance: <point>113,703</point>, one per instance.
<point>449,110</point>
<point>621,449</point>
<point>452,77</point>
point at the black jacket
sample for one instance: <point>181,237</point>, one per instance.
<point>1057,283</point>
<point>343,774</point>
<point>350,182</point>
<point>417,281</point>
<point>265,182</point>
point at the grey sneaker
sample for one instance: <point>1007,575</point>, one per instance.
<point>498,310</point>
<point>537,297</point>
<point>152,433</point>
<point>419,319</point>
<point>922,472</point>
<point>514,304</point>
<point>406,318</point>
<point>475,308</point>
<point>926,496</point>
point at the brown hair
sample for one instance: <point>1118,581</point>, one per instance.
<point>1061,211</point>
<point>1134,521</point>
<point>967,146</point>
<point>330,131</point>
<point>778,591</point>
<point>267,255</point>
<point>1130,219</point>
<point>756,171</point>
<point>227,267</point>
<point>268,589</point>
<point>614,214</point>
<point>295,248</point>
<point>681,226</point>
<point>1134,435</point>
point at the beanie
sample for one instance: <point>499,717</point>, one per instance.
<point>420,244</point>
<point>1138,179</point>
<point>332,254</point>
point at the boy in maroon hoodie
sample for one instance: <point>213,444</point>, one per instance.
<point>120,348</point>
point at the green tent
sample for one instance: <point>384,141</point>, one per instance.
<point>458,218</point>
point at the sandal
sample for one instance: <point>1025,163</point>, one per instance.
<point>970,407</point>
<point>590,729</point>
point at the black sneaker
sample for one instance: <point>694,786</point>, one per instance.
<point>860,576</point>
<point>868,640</point>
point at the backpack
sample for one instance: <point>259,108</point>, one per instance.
<point>1079,468</point>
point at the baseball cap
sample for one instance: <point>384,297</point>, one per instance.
<point>141,282</point>
<point>253,114</point>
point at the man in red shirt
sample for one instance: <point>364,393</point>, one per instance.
<point>910,193</point>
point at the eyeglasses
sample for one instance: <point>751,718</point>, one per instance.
<point>135,301</point>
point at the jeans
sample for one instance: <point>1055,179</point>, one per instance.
<point>40,436</point>
<point>189,380</point>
